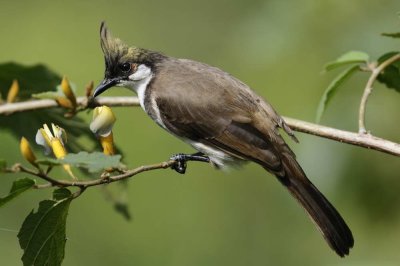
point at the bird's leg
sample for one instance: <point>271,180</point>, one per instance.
<point>182,159</point>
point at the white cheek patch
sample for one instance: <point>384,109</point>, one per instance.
<point>139,81</point>
<point>142,72</point>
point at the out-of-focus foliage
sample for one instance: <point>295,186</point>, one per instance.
<point>333,86</point>
<point>349,58</point>
<point>391,75</point>
<point>19,186</point>
<point>34,80</point>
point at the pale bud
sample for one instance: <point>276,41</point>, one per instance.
<point>103,121</point>
<point>102,124</point>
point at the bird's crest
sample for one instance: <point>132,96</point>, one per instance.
<point>114,48</point>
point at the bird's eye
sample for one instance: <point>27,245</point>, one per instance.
<point>125,67</point>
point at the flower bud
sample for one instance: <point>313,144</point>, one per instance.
<point>13,91</point>
<point>89,89</point>
<point>64,102</point>
<point>68,92</point>
<point>27,152</point>
<point>102,124</point>
<point>103,121</point>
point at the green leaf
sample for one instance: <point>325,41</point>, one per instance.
<point>42,235</point>
<point>34,80</point>
<point>3,165</point>
<point>61,193</point>
<point>332,88</point>
<point>48,95</point>
<point>93,162</point>
<point>31,79</point>
<point>352,57</point>
<point>19,186</point>
<point>392,35</point>
<point>390,76</point>
<point>54,94</point>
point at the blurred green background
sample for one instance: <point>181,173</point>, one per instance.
<point>208,217</point>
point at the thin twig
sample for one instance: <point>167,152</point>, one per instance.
<point>82,185</point>
<point>368,89</point>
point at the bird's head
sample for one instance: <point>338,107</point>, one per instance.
<point>125,65</point>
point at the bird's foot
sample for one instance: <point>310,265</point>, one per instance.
<point>182,159</point>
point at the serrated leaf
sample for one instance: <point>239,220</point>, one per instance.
<point>3,165</point>
<point>19,186</point>
<point>61,193</point>
<point>352,57</point>
<point>390,76</point>
<point>34,80</point>
<point>332,89</point>
<point>42,235</point>
<point>392,35</point>
<point>93,162</point>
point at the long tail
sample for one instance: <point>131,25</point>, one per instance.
<point>324,215</point>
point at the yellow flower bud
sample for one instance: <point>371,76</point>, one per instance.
<point>64,102</point>
<point>108,144</point>
<point>13,91</point>
<point>69,93</point>
<point>103,121</point>
<point>27,152</point>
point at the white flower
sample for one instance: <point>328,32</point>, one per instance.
<point>54,142</point>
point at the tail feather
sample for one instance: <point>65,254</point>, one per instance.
<point>328,220</point>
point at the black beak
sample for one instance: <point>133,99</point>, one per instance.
<point>104,85</point>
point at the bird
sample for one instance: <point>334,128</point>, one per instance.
<point>220,117</point>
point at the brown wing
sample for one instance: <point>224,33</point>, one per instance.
<point>208,105</point>
<point>216,109</point>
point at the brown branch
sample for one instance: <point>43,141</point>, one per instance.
<point>362,140</point>
<point>10,108</point>
<point>368,89</point>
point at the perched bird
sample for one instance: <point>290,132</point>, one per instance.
<point>222,118</point>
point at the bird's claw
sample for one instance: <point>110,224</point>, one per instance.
<point>180,163</point>
<point>182,159</point>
